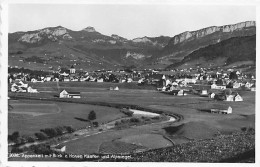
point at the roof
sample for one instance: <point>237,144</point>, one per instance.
<point>201,87</point>
<point>220,107</point>
<point>74,93</point>
<point>59,146</point>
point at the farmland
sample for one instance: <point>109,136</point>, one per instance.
<point>196,124</point>
<point>56,114</point>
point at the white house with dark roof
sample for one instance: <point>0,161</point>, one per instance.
<point>214,86</point>
<point>234,97</point>
<point>65,94</point>
<point>212,95</point>
<point>31,90</point>
<point>59,148</point>
<point>221,110</point>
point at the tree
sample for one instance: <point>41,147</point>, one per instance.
<point>92,115</point>
<point>70,129</point>
<point>59,130</point>
<point>233,75</point>
<point>41,149</point>
<point>95,124</point>
<point>16,150</point>
<point>14,136</point>
<point>51,132</point>
<point>219,82</point>
<point>41,136</point>
<point>228,91</point>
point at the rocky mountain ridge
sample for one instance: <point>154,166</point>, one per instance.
<point>209,30</point>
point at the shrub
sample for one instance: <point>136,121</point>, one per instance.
<point>31,139</point>
<point>41,136</point>
<point>147,119</point>
<point>59,130</point>
<point>251,129</point>
<point>51,132</point>
<point>117,123</point>
<point>136,120</point>
<point>227,91</point>
<point>92,115</point>
<point>127,112</point>
<point>156,118</point>
<point>14,136</point>
<point>95,124</point>
<point>243,129</point>
<point>19,52</point>
<point>70,129</point>
<point>124,121</point>
<point>41,149</point>
<point>16,150</point>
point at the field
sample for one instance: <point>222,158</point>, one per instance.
<point>196,123</point>
<point>28,120</point>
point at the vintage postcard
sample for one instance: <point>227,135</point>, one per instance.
<point>90,82</point>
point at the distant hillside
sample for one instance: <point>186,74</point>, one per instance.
<point>88,49</point>
<point>227,52</point>
<point>183,44</point>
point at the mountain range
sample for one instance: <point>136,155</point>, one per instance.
<point>88,49</point>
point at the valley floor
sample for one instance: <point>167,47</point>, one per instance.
<point>196,136</point>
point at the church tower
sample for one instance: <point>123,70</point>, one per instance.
<point>72,70</point>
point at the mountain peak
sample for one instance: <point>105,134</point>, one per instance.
<point>117,37</point>
<point>89,29</point>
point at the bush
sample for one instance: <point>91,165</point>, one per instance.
<point>95,124</point>
<point>243,129</point>
<point>92,115</point>
<point>117,123</point>
<point>124,121</point>
<point>51,132</point>
<point>14,136</point>
<point>251,129</point>
<point>156,118</point>
<point>147,119</point>
<point>41,149</point>
<point>228,91</point>
<point>70,129</point>
<point>19,52</point>
<point>59,130</point>
<point>31,139</point>
<point>41,136</point>
<point>17,150</point>
<point>135,120</point>
<point>127,112</point>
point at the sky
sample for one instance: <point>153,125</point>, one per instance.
<point>129,21</point>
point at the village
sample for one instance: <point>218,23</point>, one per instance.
<point>215,83</point>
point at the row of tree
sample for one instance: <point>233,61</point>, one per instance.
<point>43,135</point>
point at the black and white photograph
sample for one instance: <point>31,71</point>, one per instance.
<point>123,82</point>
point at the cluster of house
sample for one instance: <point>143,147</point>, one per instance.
<point>180,77</point>
<point>22,87</point>
<point>231,97</point>
<point>72,76</point>
<point>181,87</point>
